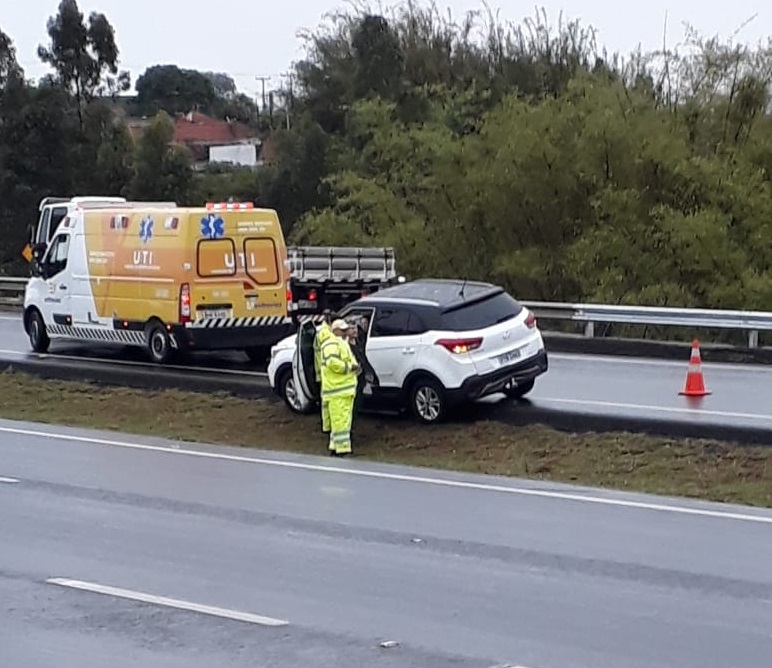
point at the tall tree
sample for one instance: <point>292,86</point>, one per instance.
<point>10,70</point>
<point>379,58</point>
<point>83,55</point>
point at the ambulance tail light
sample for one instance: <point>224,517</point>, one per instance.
<point>312,295</point>
<point>460,346</point>
<point>185,303</point>
<point>290,296</point>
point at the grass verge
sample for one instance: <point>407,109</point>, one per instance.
<point>690,468</point>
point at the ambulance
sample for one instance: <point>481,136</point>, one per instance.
<point>160,277</point>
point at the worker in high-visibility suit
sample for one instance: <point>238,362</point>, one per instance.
<point>323,334</point>
<point>339,386</point>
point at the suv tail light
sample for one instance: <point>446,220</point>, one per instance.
<point>460,346</point>
<point>185,302</point>
<point>530,320</point>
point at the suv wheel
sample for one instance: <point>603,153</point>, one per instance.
<point>289,391</point>
<point>427,401</point>
<point>515,391</point>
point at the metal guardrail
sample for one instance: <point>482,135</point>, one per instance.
<point>753,322</point>
<point>12,291</point>
<point>750,321</point>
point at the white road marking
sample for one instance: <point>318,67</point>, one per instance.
<point>381,475</point>
<point>9,481</point>
<point>645,361</point>
<point>101,360</point>
<point>167,602</point>
<point>662,409</point>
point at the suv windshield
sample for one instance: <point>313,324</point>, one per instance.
<point>481,314</point>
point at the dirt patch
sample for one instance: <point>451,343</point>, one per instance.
<point>691,468</point>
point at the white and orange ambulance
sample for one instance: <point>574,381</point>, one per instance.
<point>162,277</point>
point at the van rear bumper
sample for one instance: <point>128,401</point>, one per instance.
<point>230,338</point>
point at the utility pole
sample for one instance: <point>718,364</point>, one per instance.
<point>288,103</point>
<point>262,80</point>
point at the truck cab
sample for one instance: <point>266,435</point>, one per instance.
<point>52,211</point>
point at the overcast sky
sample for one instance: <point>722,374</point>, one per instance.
<point>250,38</point>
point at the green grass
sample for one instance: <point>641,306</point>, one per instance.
<point>691,468</point>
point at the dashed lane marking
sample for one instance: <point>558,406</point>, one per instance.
<point>167,602</point>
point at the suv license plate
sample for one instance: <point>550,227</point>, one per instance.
<point>217,314</point>
<point>506,358</point>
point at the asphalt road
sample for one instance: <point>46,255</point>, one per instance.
<point>457,570</point>
<point>611,388</point>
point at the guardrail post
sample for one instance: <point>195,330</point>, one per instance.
<point>589,329</point>
<point>753,338</point>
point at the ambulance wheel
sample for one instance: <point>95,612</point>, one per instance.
<point>158,343</point>
<point>36,330</point>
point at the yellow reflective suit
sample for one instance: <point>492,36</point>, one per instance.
<point>339,386</point>
<point>322,335</point>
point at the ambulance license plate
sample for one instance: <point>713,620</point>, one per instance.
<point>511,356</point>
<point>217,314</point>
<point>307,303</point>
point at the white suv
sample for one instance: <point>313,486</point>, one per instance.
<point>429,344</point>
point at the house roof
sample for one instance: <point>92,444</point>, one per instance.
<point>195,127</point>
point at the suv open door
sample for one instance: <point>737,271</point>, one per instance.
<point>303,372</point>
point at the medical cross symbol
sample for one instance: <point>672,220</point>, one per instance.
<point>212,227</point>
<point>146,229</point>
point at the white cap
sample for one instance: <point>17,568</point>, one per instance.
<point>340,324</point>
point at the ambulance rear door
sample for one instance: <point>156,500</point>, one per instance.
<point>239,279</point>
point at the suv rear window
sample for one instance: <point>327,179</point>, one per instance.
<point>482,314</point>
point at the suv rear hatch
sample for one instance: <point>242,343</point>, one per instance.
<point>495,330</point>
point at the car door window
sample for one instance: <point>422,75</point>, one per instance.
<point>395,322</point>
<point>57,256</point>
<point>361,317</point>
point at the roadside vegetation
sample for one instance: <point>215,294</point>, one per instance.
<point>523,154</point>
<point>690,468</point>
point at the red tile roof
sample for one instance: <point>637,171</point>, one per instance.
<point>195,128</point>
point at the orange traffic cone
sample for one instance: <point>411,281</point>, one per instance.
<point>695,382</point>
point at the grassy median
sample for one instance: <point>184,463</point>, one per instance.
<point>691,468</point>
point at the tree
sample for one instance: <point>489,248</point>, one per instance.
<point>10,71</point>
<point>173,90</point>
<point>223,84</point>
<point>379,59</point>
<point>163,170</point>
<point>83,54</point>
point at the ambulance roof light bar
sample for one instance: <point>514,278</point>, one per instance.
<point>230,206</point>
